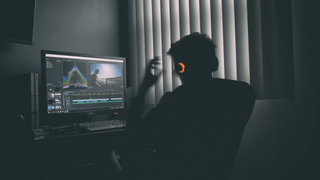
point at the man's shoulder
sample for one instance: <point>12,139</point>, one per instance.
<point>214,83</point>
<point>214,86</point>
<point>228,84</point>
<point>167,96</point>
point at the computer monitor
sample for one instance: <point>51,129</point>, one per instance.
<point>76,86</point>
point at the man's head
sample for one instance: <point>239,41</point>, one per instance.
<point>96,71</point>
<point>194,55</point>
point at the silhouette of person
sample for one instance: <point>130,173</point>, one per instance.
<point>195,130</point>
<point>94,78</point>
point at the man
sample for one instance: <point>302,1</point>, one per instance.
<point>194,131</point>
<point>94,78</point>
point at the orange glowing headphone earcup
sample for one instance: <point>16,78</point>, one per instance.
<point>182,69</point>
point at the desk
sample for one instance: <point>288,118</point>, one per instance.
<point>76,156</point>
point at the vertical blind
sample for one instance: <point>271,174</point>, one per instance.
<point>155,24</point>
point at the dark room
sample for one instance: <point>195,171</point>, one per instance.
<point>160,89</point>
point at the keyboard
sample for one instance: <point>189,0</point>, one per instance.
<point>103,125</point>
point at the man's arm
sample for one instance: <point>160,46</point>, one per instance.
<point>96,81</point>
<point>137,106</point>
<point>136,109</point>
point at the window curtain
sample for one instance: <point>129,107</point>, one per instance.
<point>271,48</point>
<point>155,24</point>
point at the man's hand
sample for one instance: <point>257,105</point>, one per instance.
<point>149,78</point>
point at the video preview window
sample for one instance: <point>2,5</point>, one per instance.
<point>105,76</point>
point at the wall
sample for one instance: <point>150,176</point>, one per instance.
<point>282,138</point>
<point>91,27</point>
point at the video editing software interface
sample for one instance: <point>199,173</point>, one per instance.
<point>77,83</point>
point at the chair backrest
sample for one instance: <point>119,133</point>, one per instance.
<point>206,135</point>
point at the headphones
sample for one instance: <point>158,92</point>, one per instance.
<point>206,66</point>
<point>181,67</point>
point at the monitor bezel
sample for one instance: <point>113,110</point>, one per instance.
<point>78,116</point>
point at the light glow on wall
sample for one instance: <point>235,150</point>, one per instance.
<point>217,35</point>
<point>229,38</point>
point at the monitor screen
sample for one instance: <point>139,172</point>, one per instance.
<point>78,83</point>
